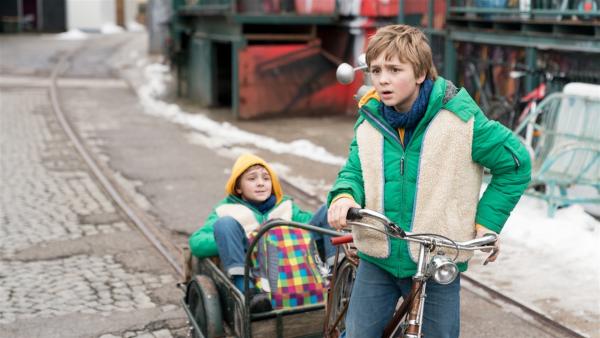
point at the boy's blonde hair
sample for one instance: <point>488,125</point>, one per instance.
<point>406,42</point>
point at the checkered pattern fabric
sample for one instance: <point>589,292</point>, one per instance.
<point>285,259</point>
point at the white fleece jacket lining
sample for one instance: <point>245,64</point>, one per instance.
<point>448,183</point>
<point>243,215</point>
<point>447,186</point>
<point>370,151</point>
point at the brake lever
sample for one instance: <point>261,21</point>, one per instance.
<point>494,253</point>
<point>396,230</point>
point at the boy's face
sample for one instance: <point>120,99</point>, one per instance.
<point>395,82</point>
<point>255,184</point>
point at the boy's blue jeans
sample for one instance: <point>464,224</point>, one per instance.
<point>232,241</point>
<point>374,297</point>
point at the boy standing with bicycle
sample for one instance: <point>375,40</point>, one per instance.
<point>417,156</point>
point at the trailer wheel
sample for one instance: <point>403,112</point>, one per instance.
<point>203,300</point>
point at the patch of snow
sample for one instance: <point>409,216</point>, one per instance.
<point>72,34</point>
<point>220,134</point>
<point>549,264</point>
<point>111,28</point>
<point>134,26</point>
<point>134,55</point>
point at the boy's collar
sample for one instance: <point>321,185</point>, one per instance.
<point>240,200</point>
<point>370,95</point>
<point>462,105</point>
<point>265,205</point>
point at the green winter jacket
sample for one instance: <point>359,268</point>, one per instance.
<point>459,142</point>
<point>202,242</point>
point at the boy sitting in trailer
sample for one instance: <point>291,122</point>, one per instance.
<point>254,196</point>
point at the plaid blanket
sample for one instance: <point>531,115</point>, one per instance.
<point>287,269</point>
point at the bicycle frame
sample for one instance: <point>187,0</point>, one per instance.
<point>414,303</point>
<point>408,318</point>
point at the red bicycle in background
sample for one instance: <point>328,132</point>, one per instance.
<point>512,112</point>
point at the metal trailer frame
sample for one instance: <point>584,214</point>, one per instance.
<point>222,301</point>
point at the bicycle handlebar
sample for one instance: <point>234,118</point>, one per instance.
<point>393,230</point>
<point>522,70</point>
<point>354,213</point>
<point>342,239</point>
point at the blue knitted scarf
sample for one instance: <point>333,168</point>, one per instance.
<point>409,120</point>
<point>265,206</point>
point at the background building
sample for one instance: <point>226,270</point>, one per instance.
<point>61,15</point>
<point>278,57</point>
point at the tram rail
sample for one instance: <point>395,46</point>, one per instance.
<point>151,231</point>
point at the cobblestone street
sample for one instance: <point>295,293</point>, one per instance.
<point>55,223</point>
<point>46,186</point>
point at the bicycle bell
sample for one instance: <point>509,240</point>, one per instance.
<point>442,269</point>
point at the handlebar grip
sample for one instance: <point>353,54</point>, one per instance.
<point>342,239</point>
<point>353,214</point>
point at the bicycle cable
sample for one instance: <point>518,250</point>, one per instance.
<point>404,235</point>
<point>439,236</point>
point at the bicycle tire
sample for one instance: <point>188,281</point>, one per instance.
<point>340,292</point>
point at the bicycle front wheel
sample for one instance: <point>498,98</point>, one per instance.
<point>339,299</point>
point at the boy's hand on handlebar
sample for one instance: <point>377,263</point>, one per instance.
<point>495,250</point>
<point>336,215</point>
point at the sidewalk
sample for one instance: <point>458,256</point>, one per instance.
<point>556,272</point>
<point>71,264</point>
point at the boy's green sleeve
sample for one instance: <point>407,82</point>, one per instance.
<point>497,148</point>
<point>299,215</point>
<point>350,178</point>
<point>202,242</point>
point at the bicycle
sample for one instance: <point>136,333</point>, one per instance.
<point>433,262</point>
<point>481,78</point>
<point>511,115</point>
<point>511,111</point>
